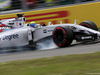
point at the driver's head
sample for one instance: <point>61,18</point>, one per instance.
<point>33,24</point>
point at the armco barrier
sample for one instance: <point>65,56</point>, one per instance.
<point>68,14</point>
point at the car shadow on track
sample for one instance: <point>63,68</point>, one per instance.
<point>85,43</point>
<point>16,49</point>
<point>27,48</point>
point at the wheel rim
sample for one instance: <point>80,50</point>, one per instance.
<point>59,35</point>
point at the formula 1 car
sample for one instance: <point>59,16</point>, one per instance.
<point>62,34</point>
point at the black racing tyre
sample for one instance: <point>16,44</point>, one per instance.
<point>62,36</point>
<point>89,24</point>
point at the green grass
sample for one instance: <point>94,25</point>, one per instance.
<point>80,64</point>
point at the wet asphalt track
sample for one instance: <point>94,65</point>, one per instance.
<point>26,53</point>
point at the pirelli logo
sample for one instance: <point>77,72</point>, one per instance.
<point>47,17</point>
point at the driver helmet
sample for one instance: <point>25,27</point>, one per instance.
<point>33,24</point>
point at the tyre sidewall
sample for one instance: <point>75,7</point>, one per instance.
<point>89,24</point>
<point>68,36</point>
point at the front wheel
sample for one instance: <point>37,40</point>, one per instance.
<point>62,36</point>
<point>89,24</point>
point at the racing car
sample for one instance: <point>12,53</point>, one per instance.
<point>22,34</point>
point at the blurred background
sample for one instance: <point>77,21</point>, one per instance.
<point>23,5</point>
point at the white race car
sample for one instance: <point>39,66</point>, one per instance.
<point>21,34</point>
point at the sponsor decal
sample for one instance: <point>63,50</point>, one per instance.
<point>50,30</point>
<point>66,14</point>
<point>2,28</point>
<point>45,31</point>
<point>16,20</point>
<point>10,37</point>
<point>86,37</point>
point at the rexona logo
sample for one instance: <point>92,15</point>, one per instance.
<point>9,37</point>
<point>49,16</point>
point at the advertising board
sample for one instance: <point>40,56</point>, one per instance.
<point>67,14</point>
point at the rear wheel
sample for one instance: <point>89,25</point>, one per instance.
<point>89,24</point>
<point>62,36</point>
